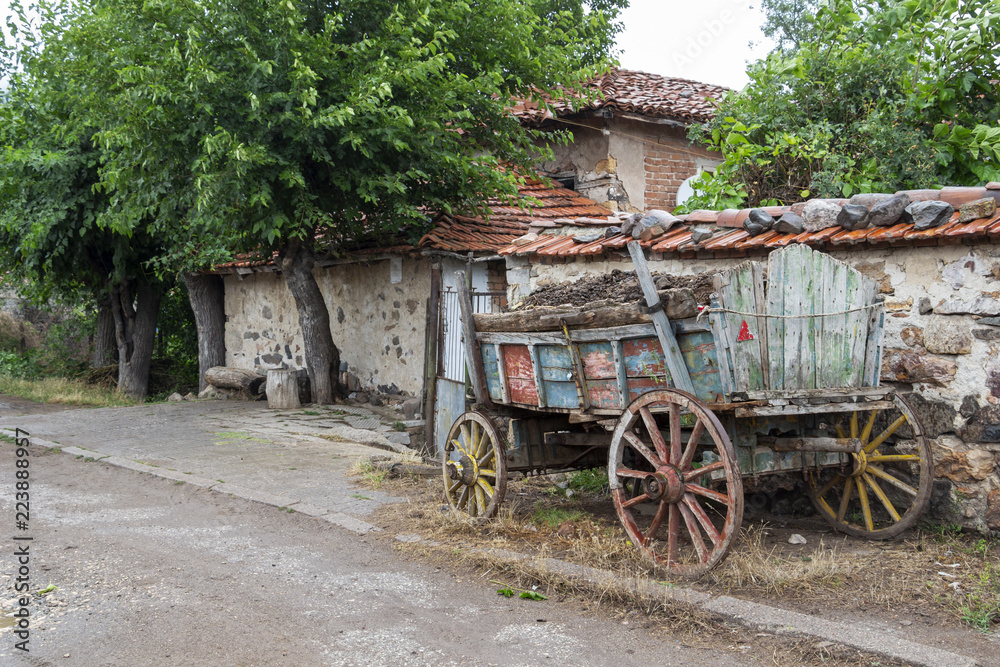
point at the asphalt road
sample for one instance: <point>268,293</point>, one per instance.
<point>149,571</point>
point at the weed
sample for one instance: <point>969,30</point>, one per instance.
<point>9,439</point>
<point>221,481</point>
<point>553,517</point>
<point>368,473</point>
<point>88,459</point>
<point>594,480</point>
<point>178,482</point>
<point>233,436</point>
<point>398,426</point>
<point>61,390</point>
<point>359,496</point>
<point>311,413</point>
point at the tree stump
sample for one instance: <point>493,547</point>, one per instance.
<point>283,389</point>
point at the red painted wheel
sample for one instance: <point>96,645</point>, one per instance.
<point>675,482</point>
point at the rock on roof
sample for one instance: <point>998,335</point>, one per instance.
<point>652,95</point>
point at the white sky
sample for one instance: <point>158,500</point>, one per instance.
<point>704,40</point>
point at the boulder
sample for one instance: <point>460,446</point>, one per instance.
<point>590,237</point>
<point>978,209</point>
<point>761,217</point>
<point>992,517</point>
<point>888,212</point>
<point>175,398</point>
<point>927,214</point>
<point>853,217</point>
<point>819,214</point>
<point>753,228</point>
<point>869,199</point>
<point>946,335</point>
<point>911,366</point>
<point>699,234</point>
<point>411,408</point>
<point>790,223</point>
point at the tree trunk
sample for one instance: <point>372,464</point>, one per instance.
<point>283,389</point>
<point>235,378</point>
<point>104,339</point>
<point>207,296</point>
<point>322,356</point>
<point>135,307</point>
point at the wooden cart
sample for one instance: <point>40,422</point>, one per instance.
<point>779,375</point>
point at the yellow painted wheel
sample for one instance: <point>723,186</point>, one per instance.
<point>474,466</point>
<point>883,489</point>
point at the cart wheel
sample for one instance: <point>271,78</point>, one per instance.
<point>691,484</point>
<point>884,489</point>
<point>475,466</point>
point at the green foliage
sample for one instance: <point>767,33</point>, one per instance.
<point>553,517</point>
<point>859,96</point>
<point>177,337</point>
<point>592,480</point>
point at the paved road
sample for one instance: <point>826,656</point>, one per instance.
<point>151,571</point>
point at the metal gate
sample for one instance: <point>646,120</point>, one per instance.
<point>452,378</point>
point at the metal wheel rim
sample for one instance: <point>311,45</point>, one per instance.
<point>828,498</point>
<point>474,435</point>
<point>683,513</point>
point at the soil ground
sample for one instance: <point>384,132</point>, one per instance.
<point>905,587</point>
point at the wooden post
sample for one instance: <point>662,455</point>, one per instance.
<point>671,350</point>
<point>472,356</point>
<point>283,389</point>
<point>431,357</point>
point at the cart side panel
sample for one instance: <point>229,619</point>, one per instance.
<point>492,370</point>
<point>600,374</point>
<point>557,376</point>
<point>520,372</point>
<point>646,371</point>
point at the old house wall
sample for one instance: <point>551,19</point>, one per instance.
<point>628,165</point>
<point>377,318</point>
<point>942,341</point>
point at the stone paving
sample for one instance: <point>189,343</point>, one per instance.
<point>289,458</point>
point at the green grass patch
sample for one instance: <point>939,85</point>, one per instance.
<point>237,436</point>
<point>311,413</point>
<point>61,390</point>
<point>553,517</point>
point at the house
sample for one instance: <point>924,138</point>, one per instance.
<point>630,150</point>
<point>941,299</point>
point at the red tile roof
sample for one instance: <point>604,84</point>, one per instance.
<point>730,238</point>
<point>544,203</point>
<point>625,90</point>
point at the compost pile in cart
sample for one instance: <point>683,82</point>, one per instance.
<point>619,286</point>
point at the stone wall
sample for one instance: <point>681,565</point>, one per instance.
<point>942,342</point>
<point>377,318</point>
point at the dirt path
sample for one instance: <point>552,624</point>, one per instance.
<point>12,406</point>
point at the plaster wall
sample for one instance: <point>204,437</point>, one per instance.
<point>942,341</point>
<point>378,324</point>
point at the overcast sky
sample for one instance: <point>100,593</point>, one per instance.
<point>704,40</point>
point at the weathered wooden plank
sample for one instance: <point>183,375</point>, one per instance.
<point>736,292</point>
<point>827,393</point>
<point>722,352</point>
<point>620,371</point>
<point>775,326</point>
<point>520,374</point>
<point>780,410</point>
<point>536,370</point>
<point>588,335</point>
<point>675,362</point>
<point>492,370</point>
<point>873,347</point>
<point>760,299</point>
<point>474,360</point>
<point>503,375</point>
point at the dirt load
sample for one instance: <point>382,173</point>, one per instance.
<point>620,286</point>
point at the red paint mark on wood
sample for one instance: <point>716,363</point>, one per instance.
<point>522,391</point>
<point>604,394</point>
<point>744,333</point>
<point>517,361</point>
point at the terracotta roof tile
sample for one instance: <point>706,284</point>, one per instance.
<point>636,92</point>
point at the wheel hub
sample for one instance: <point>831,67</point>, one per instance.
<point>463,470</point>
<point>860,463</point>
<point>665,484</point>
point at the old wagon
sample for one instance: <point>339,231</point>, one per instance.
<point>779,375</point>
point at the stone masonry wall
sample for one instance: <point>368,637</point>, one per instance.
<point>942,342</point>
<point>379,325</point>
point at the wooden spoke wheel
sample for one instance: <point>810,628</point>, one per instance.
<point>474,466</point>
<point>675,481</point>
<point>883,490</point>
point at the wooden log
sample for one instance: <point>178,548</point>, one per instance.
<point>283,389</point>
<point>227,377</point>
<point>472,355</point>
<point>671,350</point>
<point>679,304</point>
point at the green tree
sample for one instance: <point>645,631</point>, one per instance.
<point>51,208</point>
<point>302,127</point>
<point>860,96</point>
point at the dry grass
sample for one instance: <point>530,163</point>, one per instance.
<point>61,390</point>
<point>14,330</point>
